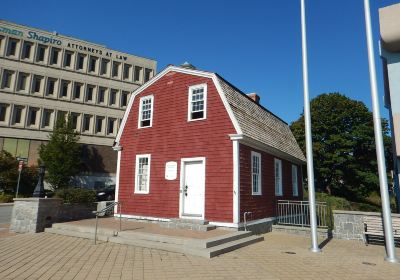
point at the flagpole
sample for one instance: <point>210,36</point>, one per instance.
<point>386,213</point>
<point>307,120</point>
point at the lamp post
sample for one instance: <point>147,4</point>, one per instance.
<point>39,190</point>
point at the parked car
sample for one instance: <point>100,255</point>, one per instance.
<point>106,194</point>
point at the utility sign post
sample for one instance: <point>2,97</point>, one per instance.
<point>20,167</point>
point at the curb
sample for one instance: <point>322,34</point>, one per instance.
<point>7,204</point>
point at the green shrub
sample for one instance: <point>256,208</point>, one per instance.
<point>76,195</point>
<point>5,198</point>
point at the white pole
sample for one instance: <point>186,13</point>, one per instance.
<point>386,213</point>
<point>307,120</point>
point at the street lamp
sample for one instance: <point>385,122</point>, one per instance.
<point>39,190</point>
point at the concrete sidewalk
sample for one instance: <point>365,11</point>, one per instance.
<point>280,256</point>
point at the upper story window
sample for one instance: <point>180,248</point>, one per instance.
<point>68,59</point>
<point>278,177</point>
<point>41,53</point>
<point>294,181</point>
<point>146,111</point>
<point>12,47</point>
<point>197,102</point>
<point>27,50</point>
<point>55,53</point>
<point>256,173</point>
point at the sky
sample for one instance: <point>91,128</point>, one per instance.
<point>254,44</point>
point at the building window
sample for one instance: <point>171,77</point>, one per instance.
<point>22,81</point>
<point>12,47</point>
<point>37,84</point>
<point>256,173</point>
<point>51,86</point>
<point>68,59</point>
<point>41,53</point>
<point>115,69</point>
<point>104,66</point>
<point>81,62</point>
<point>87,123</point>
<point>197,102</point>
<point>92,64</point>
<point>3,112</point>
<point>64,89</point>
<point>27,50</point>
<point>89,93</point>
<point>8,77</point>
<point>17,115</point>
<point>32,116</point>
<point>111,126</point>
<point>99,125</point>
<point>55,53</point>
<point>47,118</point>
<point>77,91</point>
<point>146,111</point>
<point>102,94</point>
<point>113,97</point>
<point>124,98</point>
<point>142,174</point>
<point>138,74</point>
<point>62,115</point>
<point>278,177</point>
<point>148,73</point>
<point>75,120</point>
<point>294,181</point>
<point>127,71</point>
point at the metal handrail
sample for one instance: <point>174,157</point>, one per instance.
<point>296,213</point>
<point>105,209</point>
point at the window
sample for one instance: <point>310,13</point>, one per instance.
<point>32,117</point>
<point>104,66</point>
<point>54,55</point>
<point>64,89</point>
<point>37,84</point>
<point>138,73</point>
<point>89,93</point>
<point>12,47</point>
<point>146,111</point>
<point>148,73</point>
<point>68,59</point>
<point>142,174</point>
<point>99,124</point>
<point>92,64</point>
<point>278,177</point>
<point>256,173</point>
<point>87,123</point>
<point>113,97</point>
<point>8,77</point>
<point>51,85</point>
<point>62,115</point>
<point>127,71</point>
<point>22,81</point>
<point>77,91</point>
<point>124,98</point>
<point>17,115</point>
<point>41,52</point>
<point>3,112</point>
<point>197,102</point>
<point>101,97</point>
<point>115,69</point>
<point>81,62</point>
<point>27,50</point>
<point>75,119</point>
<point>47,118</point>
<point>294,181</point>
<point>111,126</point>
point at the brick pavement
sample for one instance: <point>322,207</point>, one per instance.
<point>48,256</point>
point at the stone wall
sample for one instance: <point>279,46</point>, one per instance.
<point>349,224</point>
<point>35,214</point>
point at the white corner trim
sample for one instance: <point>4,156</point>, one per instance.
<point>236,182</point>
<point>117,180</point>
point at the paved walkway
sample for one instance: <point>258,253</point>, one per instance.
<point>280,256</point>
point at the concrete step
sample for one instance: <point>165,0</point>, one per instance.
<point>218,240</point>
<point>190,221</point>
<point>72,233</point>
<point>233,245</point>
<point>186,224</point>
<point>84,229</point>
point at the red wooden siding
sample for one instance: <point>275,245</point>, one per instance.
<point>264,205</point>
<point>171,138</point>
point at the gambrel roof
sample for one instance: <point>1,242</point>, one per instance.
<point>254,124</point>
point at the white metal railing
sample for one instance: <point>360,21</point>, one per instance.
<point>297,213</point>
<point>104,210</point>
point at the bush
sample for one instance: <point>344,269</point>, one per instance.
<point>5,198</point>
<point>76,195</point>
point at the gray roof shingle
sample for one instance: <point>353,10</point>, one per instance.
<point>259,124</point>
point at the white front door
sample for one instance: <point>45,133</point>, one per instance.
<point>192,188</point>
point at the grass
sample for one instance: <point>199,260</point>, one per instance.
<point>5,198</point>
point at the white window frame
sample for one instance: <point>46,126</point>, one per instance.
<point>138,157</point>
<point>147,97</point>
<point>295,183</point>
<point>259,184</point>
<point>190,93</point>
<point>278,181</point>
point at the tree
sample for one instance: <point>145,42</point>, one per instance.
<point>343,145</point>
<point>61,155</point>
